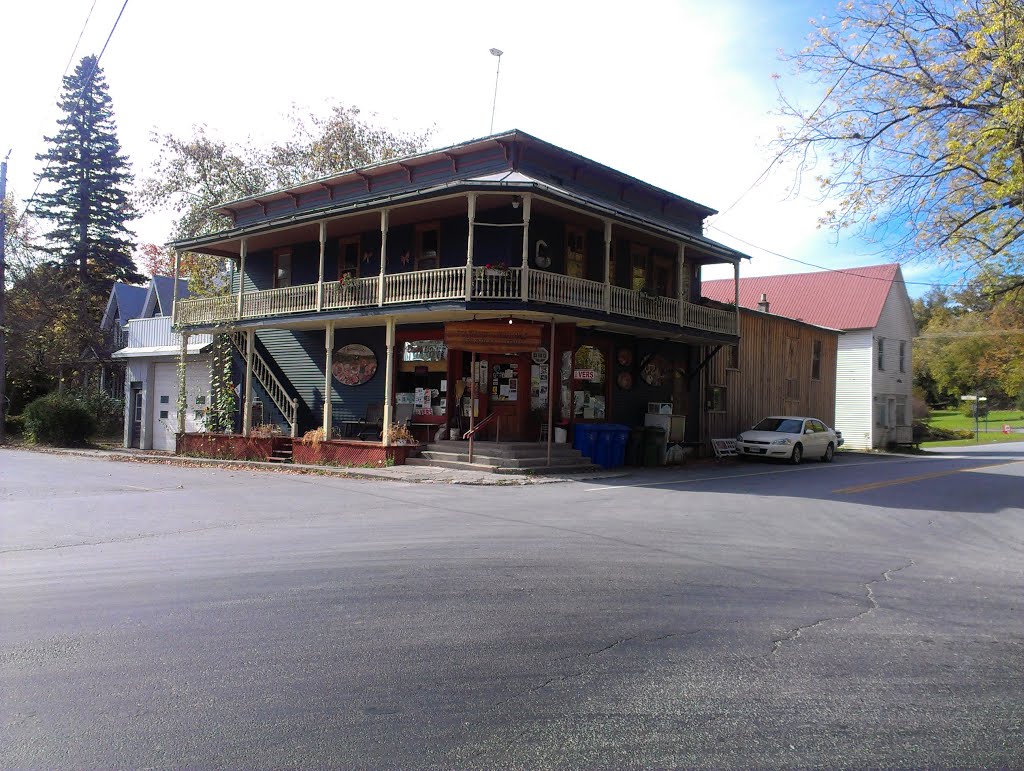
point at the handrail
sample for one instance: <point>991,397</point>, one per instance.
<point>472,432</point>
<point>289,407</point>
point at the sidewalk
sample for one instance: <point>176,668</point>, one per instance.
<point>416,474</point>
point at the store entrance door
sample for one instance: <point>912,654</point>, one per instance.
<point>507,396</point>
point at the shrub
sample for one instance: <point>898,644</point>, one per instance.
<point>107,411</point>
<point>967,409</point>
<point>59,419</point>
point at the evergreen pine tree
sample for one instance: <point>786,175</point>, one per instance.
<point>88,203</point>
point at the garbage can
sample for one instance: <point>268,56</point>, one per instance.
<point>654,446</point>
<point>620,438</point>
<point>584,439</point>
<point>603,450</point>
<point>635,450</point>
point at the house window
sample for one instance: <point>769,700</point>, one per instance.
<point>881,354</point>
<point>663,278</point>
<point>716,398</point>
<point>903,357</point>
<point>348,258</point>
<point>589,383</point>
<point>282,268</point>
<point>428,246</point>
<point>165,399</point>
<point>732,357</point>
<point>792,384</point>
<point>201,399</point>
<point>901,412</point>
<point>816,360</point>
<point>575,253</point>
<point>163,414</point>
<point>638,263</point>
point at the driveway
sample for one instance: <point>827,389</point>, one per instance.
<point>862,613</point>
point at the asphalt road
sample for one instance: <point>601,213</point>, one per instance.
<point>863,613</point>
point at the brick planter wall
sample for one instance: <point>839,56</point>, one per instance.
<point>351,453</point>
<point>229,446</point>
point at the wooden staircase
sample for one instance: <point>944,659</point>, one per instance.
<point>282,451</point>
<point>505,457</point>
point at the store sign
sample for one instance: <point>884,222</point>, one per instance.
<point>492,336</point>
<point>583,374</point>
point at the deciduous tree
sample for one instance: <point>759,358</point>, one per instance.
<point>920,136</point>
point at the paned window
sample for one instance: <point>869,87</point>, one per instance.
<point>881,354</point>
<point>428,246</point>
<point>282,268</point>
<point>575,253</point>
<point>903,357</point>
<point>732,357</point>
<point>348,258</point>
<point>816,360</point>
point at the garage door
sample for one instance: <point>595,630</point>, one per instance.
<point>165,400</point>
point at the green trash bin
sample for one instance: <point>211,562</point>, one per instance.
<point>635,448</point>
<point>654,446</point>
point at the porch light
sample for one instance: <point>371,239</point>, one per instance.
<point>516,200</point>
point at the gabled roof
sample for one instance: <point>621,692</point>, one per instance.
<point>162,289</point>
<point>840,299</point>
<point>125,302</point>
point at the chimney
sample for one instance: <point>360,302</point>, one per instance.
<point>762,304</point>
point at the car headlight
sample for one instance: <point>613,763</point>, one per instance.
<point>787,440</point>
<point>739,438</point>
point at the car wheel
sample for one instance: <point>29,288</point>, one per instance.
<point>830,453</point>
<point>798,454</point>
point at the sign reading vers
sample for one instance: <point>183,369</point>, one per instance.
<point>492,336</point>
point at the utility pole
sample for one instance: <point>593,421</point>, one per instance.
<point>3,297</point>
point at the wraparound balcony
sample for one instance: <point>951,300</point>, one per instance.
<point>454,284</point>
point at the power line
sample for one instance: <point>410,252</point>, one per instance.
<point>81,94</point>
<point>803,125</point>
<point>847,271</point>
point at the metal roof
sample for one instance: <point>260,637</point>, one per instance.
<point>840,299</point>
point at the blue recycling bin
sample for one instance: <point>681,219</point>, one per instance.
<point>603,450</point>
<point>620,438</point>
<point>584,439</point>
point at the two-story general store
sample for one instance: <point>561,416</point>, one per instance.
<point>503,282</point>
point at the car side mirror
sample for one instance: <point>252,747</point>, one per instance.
<point>809,431</point>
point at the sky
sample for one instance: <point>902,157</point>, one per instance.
<point>678,93</point>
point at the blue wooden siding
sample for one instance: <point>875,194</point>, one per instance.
<point>298,359</point>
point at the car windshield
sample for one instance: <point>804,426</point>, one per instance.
<point>782,425</point>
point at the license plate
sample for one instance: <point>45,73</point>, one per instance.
<point>760,450</point>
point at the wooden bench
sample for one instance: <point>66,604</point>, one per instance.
<point>724,448</point>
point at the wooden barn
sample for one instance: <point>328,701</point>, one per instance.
<point>780,366</point>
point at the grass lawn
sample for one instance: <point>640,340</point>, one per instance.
<point>953,419</point>
<point>993,438</point>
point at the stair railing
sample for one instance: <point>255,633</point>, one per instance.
<point>472,432</point>
<point>288,406</point>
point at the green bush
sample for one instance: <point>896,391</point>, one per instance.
<point>59,419</point>
<point>967,409</point>
<point>107,411</point>
<point>936,434</point>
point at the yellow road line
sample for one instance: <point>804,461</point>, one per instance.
<point>918,478</point>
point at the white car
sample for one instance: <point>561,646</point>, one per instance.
<point>789,437</point>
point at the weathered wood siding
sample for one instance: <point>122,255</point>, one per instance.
<point>772,350</point>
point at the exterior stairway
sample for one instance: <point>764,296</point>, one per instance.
<point>282,451</point>
<point>505,457</point>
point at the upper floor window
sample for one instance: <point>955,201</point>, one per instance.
<point>428,246</point>
<point>282,268</point>
<point>732,357</point>
<point>816,360</point>
<point>881,354</point>
<point>575,253</point>
<point>348,258</point>
<point>903,355</point>
<point>638,263</point>
<point>663,275</point>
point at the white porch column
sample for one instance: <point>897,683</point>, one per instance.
<point>182,393</point>
<point>389,380</point>
<point>174,297</point>
<point>736,282</point>
<point>250,345</point>
<point>320,281</point>
<point>607,266</point>
<point>681,285</point>
<point>471,211</point>
<point>383,255</point>
<point>241,275</point>
<point>328,381</point>
<point>525,274</point>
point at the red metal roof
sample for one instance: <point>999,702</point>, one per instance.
<point>847,299</point>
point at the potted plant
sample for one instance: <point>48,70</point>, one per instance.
<point>497,269</point>
<point>400,434</point>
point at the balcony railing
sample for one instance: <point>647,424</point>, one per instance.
<point>157,333</point>
<point>450,284</point>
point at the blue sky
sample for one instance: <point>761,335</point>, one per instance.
<point>676,93</point>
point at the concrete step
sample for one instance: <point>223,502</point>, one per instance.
<point>577,468</point>
<point>505,449</point>
<point>421,461</point>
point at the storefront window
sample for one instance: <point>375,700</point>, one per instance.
<point>421,385</point>
<point>589,383</point>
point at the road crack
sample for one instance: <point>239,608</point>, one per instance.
<point>869,594</point>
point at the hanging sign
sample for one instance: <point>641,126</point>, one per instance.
<point>492,336</point>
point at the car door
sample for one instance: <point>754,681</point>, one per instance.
<point>821,437</point>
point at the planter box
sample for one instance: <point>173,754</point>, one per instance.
<point>352,453</point>
<point>229,446</point>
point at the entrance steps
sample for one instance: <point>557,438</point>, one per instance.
<point>504,457</point>
<point>282,453</point>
